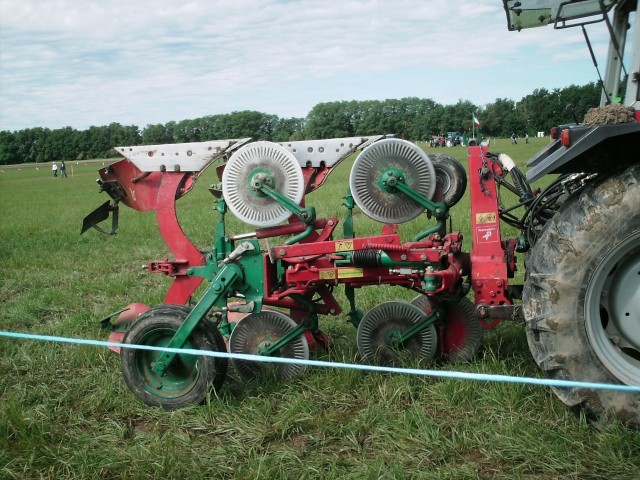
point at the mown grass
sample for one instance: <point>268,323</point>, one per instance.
<point>65,411</point>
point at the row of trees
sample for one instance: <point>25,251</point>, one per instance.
<point>410,118</point>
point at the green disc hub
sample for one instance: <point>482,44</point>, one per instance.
<point>390,179</point>
<point>258,178</point>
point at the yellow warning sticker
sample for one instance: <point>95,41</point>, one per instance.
<point>327,274</point>
<point>489,217</point>
<point>344,246</point>
<point>350,272</point>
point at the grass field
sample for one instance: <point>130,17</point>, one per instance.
<point>65,412</point>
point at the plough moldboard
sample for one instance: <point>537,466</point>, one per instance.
<point>267,300</point>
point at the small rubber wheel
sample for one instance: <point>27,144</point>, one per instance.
<point>451,177</point>
<point>189,377</point>
<point>211,330</point>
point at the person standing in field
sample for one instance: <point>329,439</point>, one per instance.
<point>54,169</point>
<point>63,170</point>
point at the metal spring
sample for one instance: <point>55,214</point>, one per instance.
<point>385,246</point>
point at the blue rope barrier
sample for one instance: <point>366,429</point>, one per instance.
<point>320,363</point>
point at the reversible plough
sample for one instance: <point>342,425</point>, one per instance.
<point>252,283</point>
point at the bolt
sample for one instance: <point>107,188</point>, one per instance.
<point>499,283</point>
<point>423,257</point>
<point>330,223</point>
<point>332,311</point>
<point>403,257</point>
<point>282,252</point>
<point>615,340</point>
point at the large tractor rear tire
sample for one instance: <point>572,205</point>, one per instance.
<point>582,297</point>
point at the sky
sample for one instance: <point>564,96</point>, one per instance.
<point>140,62</point>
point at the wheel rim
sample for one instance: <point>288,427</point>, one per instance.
<point>179,378</point>
<point>612,310</point>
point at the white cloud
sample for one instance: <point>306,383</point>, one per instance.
<point>139,62</point>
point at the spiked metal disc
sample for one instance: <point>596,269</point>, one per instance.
<point>462,335</point>
<point>268,161</point>
<point>389,205</point>
<point>379,326</point>
<point>257,331</point>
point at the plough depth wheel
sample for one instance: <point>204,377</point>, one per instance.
<point>379,329</point>
<point>259,331</point>
<point>189,377</point>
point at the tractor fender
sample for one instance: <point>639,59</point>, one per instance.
<point>591,149</point>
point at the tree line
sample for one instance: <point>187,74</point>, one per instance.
<point>411,118</point>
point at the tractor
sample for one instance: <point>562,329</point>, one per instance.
<point>264,292</point>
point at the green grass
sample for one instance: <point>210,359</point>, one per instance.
<point>65,411</point>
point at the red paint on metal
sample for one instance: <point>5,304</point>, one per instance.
<point>488,257</point>
<point>181,247</point>
<point>115,337</point>
<point>130,313</point>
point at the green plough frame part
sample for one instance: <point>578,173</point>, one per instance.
<point>393,179</point>
<point>244,275</point>
<point>306,215</point>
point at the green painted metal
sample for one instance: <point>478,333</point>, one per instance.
<point>263,184</point>
<point>258,178</point>
<point>305,214</point>
<point>309,323</point>
<point>438,210</point>
<point>223,282</point>
<point>403,337</point>
<point>252,285</point>
<point>355,314</point>
<point>389,179</point>
<point>222,245</point>
<point>439,227</point>
<point>163,383</point>
<point>431,283</point>
<point>302,235</point>
<point>347,226</point>
<point>273,348</point>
